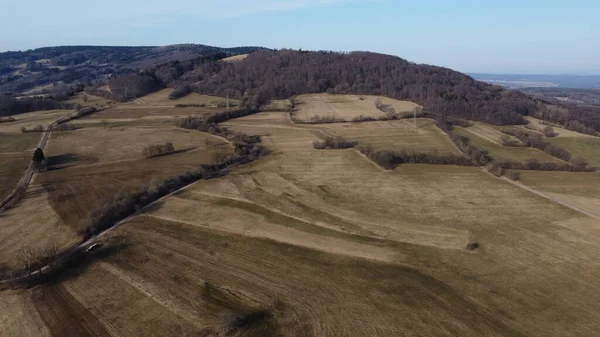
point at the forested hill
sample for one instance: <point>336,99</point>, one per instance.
<point>25,70</point>
<point>269,74</point>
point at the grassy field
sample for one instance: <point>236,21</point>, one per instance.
<point>577,189</point>
<point>91,100</point>
<point>395,135</point>
<point>161,99</point>
<point>12,167</point>
<point>144,112</point>
<point>345,106</point>
<point>587,148</point>
<point>74,191</point>
<point>19,142</point>
<point>32,119</point>
<point>537,125</point>
<point>499,152</point>
<point>32,224</point>
<point>489,133</point>
<point>97,145</point>
<point>235,58</point>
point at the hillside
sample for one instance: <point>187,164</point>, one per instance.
<point>32,69</point>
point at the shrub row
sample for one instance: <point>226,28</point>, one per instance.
<point>157,150</point>
<point>536,141</point>
<point>390,159</point>
<point>63,127</point>
<point>7,119</point>
<point>536,165</point>
<point>38,128</point>
<point>334,143</point>
<point>478,156</point>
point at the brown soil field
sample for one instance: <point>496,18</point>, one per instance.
<point>19,142</point>
<point>32,223</point>
<point>12,167</point>
<point>500,152</point>
<point>32,119</point>
<point>345,106</point>
<point>578,189</point>
<point>161,99</point>
<point>19,316</point>
<point>99,145</point>
<point>395,135</point>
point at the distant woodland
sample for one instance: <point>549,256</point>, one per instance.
<point>279,74</point>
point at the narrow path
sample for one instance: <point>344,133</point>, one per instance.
<point>542,194</point>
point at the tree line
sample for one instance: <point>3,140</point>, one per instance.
<point>391,159</point>
<point>334,143</point>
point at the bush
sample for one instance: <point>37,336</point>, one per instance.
<point>362,118</point>
<point>323,120</point>
<point>64,127</point>
<point>158,150</point>
<point>513,175</point>
<point>181,91</point>
<point>549,132</point>
<point>334,143</point>
<point>536,141</point>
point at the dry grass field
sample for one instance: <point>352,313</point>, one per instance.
<point>91,100</point>
<point>277,105</point>
<point>500,152</point>
<point>235,58</point>
<point>12,167</point>
<point>19,142</point>
<point>489,133</point>
<point>578,189</point>
<point>161,99</point>
<point>346,106</point>
<point>74,191</point>
<point>395,135</point>
<point>32,119</point>
<point>310,242</point>
<point>537,125</point>
<point>98,145</point>
<point>143,112</point>
<point>587,147</point>
<point>32,224</point>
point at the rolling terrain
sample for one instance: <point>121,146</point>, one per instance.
<point>303,241</point>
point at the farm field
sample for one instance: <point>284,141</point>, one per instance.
<point>143,112</point>
<point>305,242</point>
<point>577,189</point>
<point>12,167</point>
<point>345,107</point>
<point>33,224</point>
<point>120,143</point>
<point>74,191</point>
<point>500,152</point>
<point>91,100</point>
<point>161,99</point>
<point>489,133</point>
<point>19,142</point>
<point>332,245</point>
<point>586,147</point>
<point>32,119</point>
<point>396,135</point>
<point>537,124</point>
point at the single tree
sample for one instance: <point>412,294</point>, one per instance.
<point>38,156</point>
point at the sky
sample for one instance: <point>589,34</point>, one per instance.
<point>510,36</point>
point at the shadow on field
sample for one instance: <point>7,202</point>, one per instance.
<point>72,263</point>
<point>187,149</point>
<point>61,161</point>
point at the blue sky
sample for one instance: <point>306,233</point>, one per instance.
<point>526,36</point>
